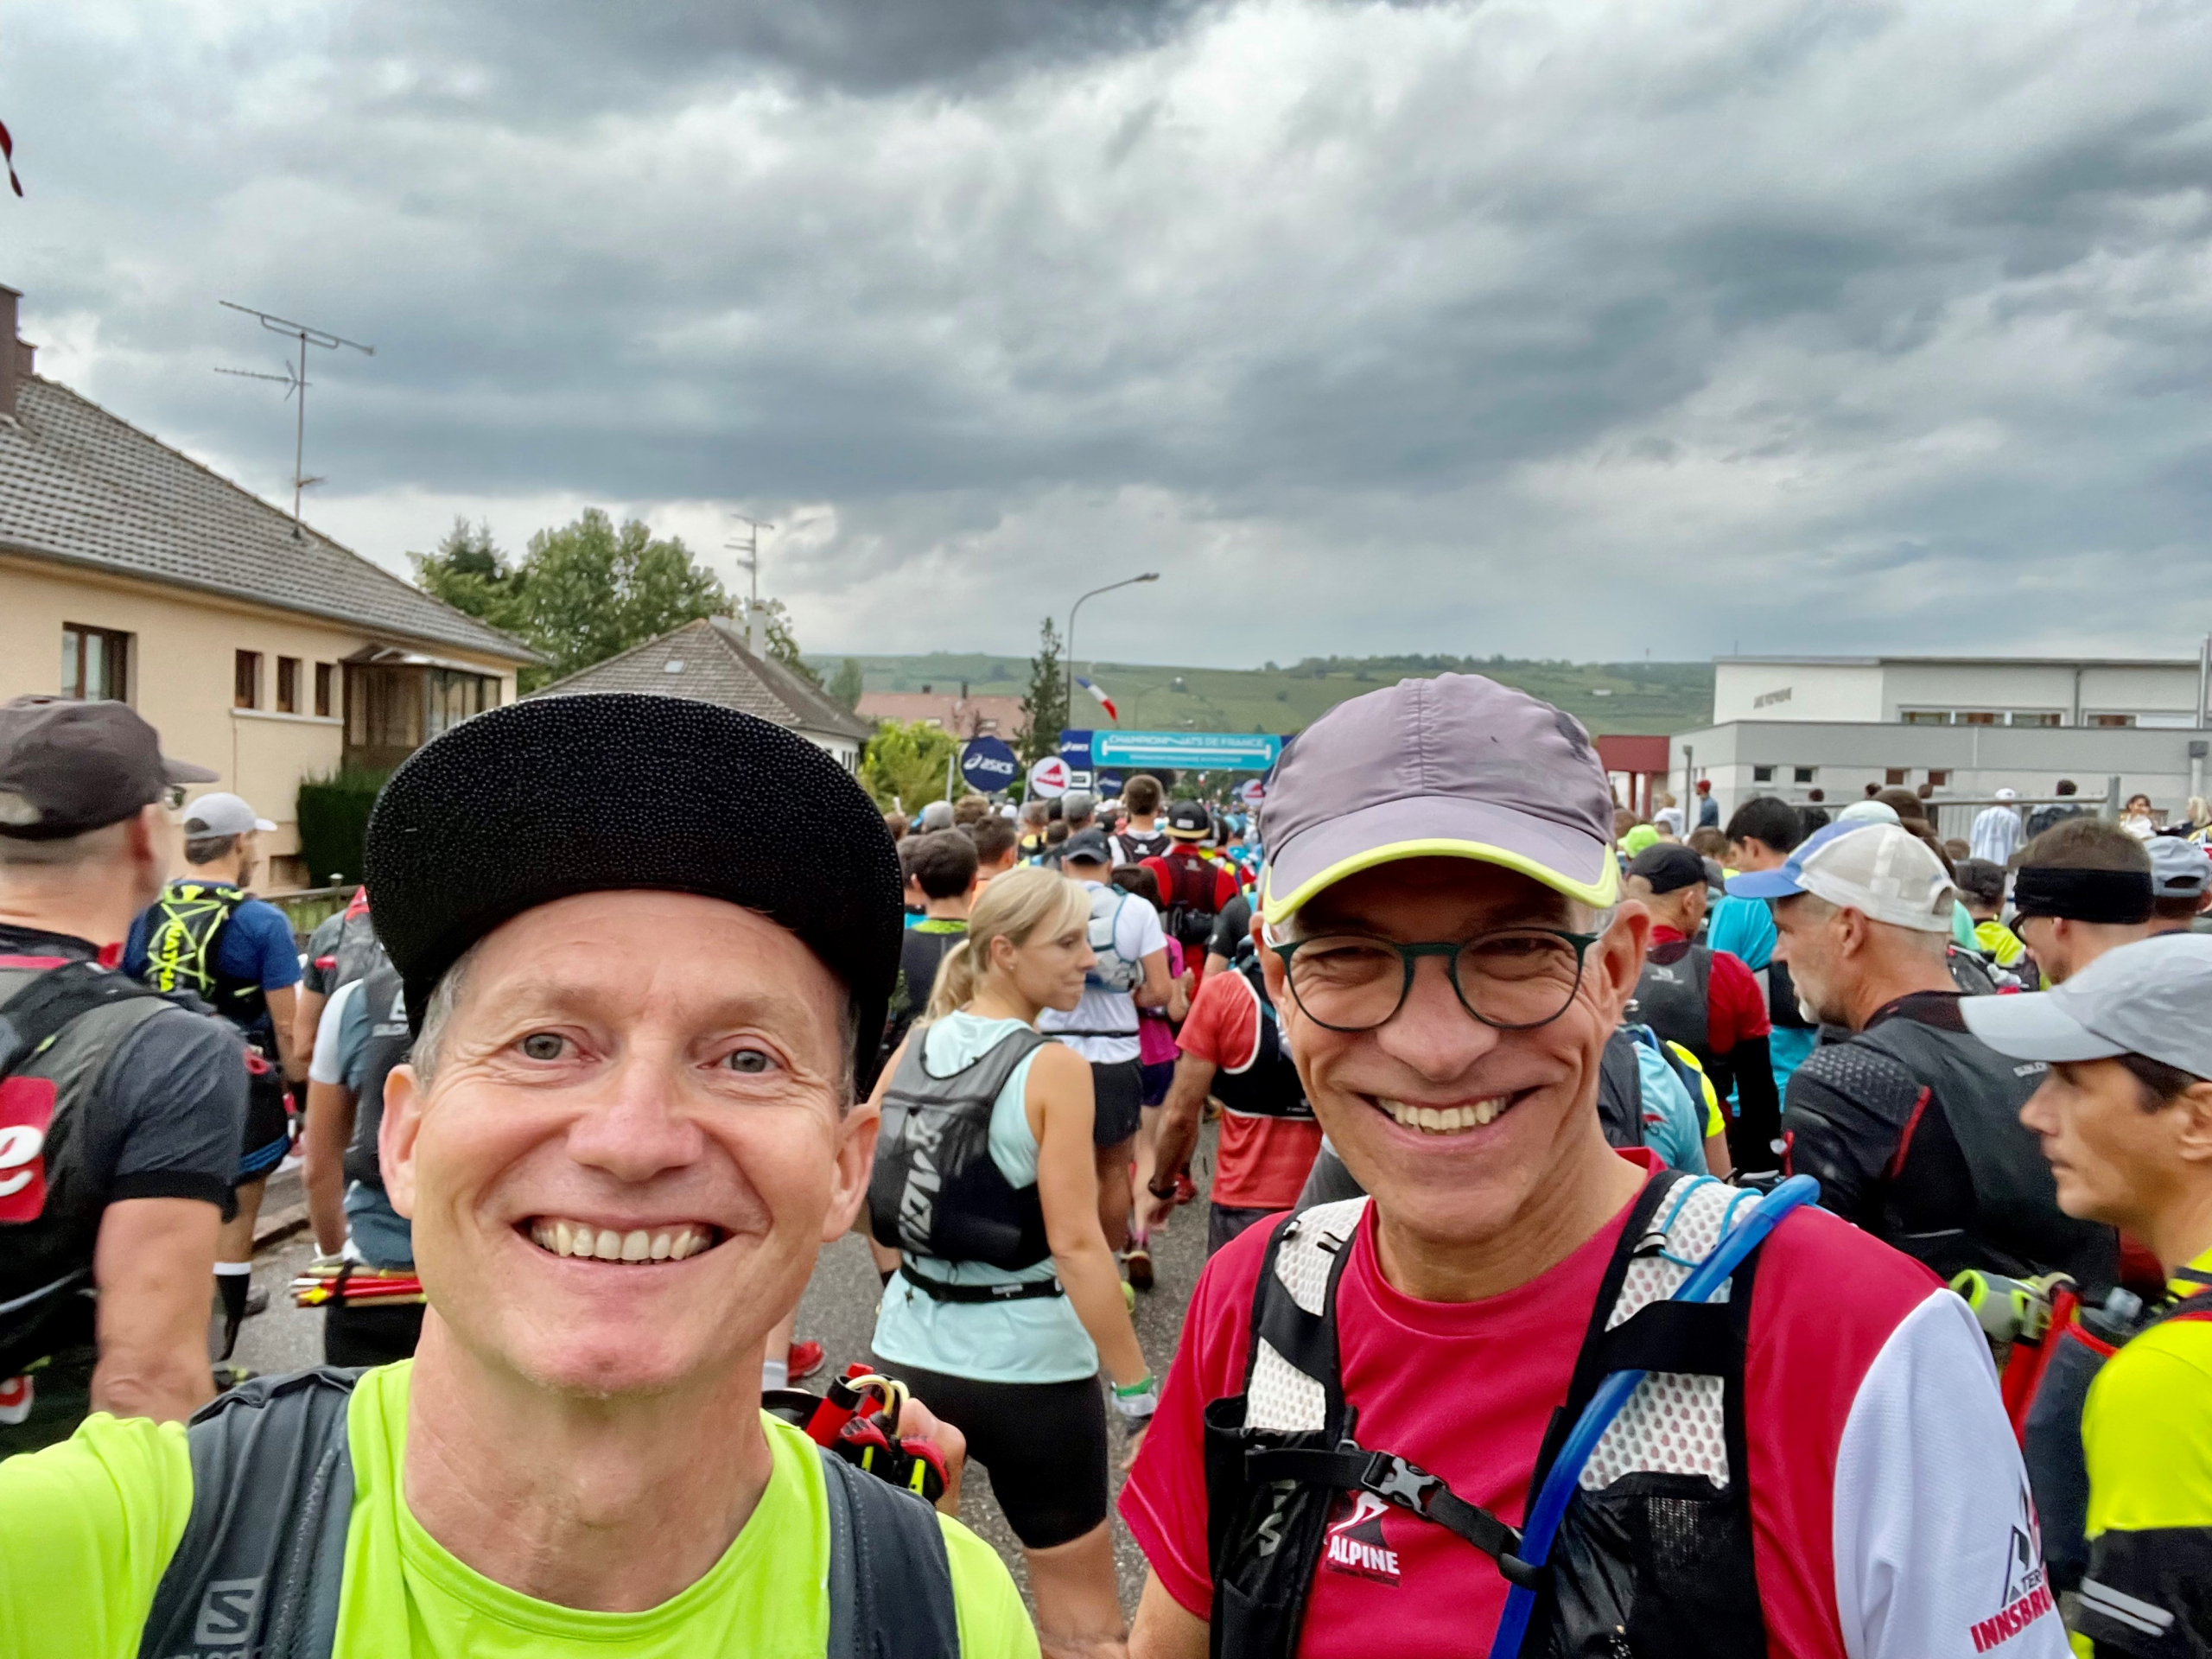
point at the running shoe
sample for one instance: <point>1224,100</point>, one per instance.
<point>804,1360</point>
<point>1139,1261</point>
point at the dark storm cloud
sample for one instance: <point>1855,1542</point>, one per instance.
<point>596,55</point>
<point>1440,327</point>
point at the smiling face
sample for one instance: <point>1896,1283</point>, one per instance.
<point>632,1143</point>
<point>1456,1127</point>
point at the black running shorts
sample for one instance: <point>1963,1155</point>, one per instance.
<point>1117,1096</point>
<point>1044,1445</point>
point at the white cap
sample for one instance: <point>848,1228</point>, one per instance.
<point>1868,811</point>
<point>2006,794</point>
<point>1887,873</point>
<point>221,815</point>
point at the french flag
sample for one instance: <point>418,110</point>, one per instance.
<point>1104,701</point>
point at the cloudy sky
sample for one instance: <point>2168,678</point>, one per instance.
<point>1554,329</point>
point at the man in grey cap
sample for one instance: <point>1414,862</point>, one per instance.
<point>2125,1115</point>
<point>1447,950</point>
<point>208,935</point>
<point>119,1137</point>
<point>2181,881</point>
<point>1911,1125</point>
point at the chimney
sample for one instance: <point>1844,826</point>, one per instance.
<point>756,630</point>
<point>15,356</point>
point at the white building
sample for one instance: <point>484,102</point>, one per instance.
<point>1792,725</point>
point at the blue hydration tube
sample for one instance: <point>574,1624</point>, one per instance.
<point>1550,1507</point>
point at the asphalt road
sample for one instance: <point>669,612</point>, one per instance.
<point>838,1311</point>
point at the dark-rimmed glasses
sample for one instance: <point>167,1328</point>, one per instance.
<point>1516,979</point>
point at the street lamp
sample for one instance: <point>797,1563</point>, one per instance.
<point>1125,581</point>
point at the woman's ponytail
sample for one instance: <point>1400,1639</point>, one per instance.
<point>955,982</point>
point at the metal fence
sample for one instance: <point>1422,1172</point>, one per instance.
<point>308,907</point>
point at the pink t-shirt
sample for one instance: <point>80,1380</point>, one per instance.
<point>1890,1511</point>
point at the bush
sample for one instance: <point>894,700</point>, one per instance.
<point>334,819</point>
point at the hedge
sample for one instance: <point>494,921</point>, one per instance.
<point>334,819</point>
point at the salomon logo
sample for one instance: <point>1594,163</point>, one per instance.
<point>228,1613</point>
<point>26,1115</point>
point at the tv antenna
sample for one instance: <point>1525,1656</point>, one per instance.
<point>295,383</point>
<point>751,548</point>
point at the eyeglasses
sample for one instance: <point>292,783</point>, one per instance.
<point>1515,980</point>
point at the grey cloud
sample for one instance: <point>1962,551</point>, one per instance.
<point>1441,327</point>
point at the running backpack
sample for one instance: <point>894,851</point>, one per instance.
<point>1188,912</point>
<point>185,930</point>
<point>1113,970</point>
<point>262,1563</point>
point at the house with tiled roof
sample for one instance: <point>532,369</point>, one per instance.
<point>713,661</point>
<point>259,648</point>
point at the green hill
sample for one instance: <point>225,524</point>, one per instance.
<point>1635,697</point>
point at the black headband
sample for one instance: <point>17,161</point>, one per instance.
<point>2119,897</point>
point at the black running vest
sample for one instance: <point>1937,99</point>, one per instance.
<point>184,933</point>
<point>389,1043</point>
<point>935,1191</point>
<point>2016,1227</point>
<point>1672,997</point>
<point>1656,1564</point>
<point>58,1027</point>
<point>1266,1086</point>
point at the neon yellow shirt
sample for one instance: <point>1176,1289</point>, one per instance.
<point>87,1527</point>
<point>1999,943</point>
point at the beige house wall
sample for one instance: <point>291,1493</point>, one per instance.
<point>181,658</point>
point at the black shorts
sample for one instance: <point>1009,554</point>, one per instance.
<point>1117,1096</point>
<point>267,1122</point>
<point>1044,1444</point>
<point>360,1334</point>
<point>1226,1221</point>
<point>1158,1075</point>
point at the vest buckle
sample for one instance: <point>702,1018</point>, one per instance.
<point>1393,1479</point>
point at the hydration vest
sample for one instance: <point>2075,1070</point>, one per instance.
<point>1620,1084</point>
<point>1134,846</point>
<point>1654,1556</point>
<point>1267,1084</point>
<point>184,934</point>
<point>390,1040</point>
<point>1186,908</point>
<point>359,949</point>
<point>935,1191</point>
<point>2017,1228</point>
<point>59,1023</point>
<point>1112,971</point>
<point>1782,1010</point>
<point>260,1569</point>
<point>1671,998</point>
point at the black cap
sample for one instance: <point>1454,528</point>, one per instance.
<point>1087,846</point>
<point>67,767</point>
<point>1190,820</point>
<point>559,795</point>
<point>1668,867</point>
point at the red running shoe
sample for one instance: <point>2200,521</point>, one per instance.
<point>805,1359</point>
<point>1186,1188</point>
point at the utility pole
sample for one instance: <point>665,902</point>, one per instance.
<point>307,335</point>
<point>756,630</point>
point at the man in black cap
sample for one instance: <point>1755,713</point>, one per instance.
<point>1706,1000</point>
<point>119,1136</point>
<point>643,1014</point>
<point>2083,887</point>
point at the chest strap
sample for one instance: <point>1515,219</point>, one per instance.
<point>944,1290</point>
<point>1395,1480</point>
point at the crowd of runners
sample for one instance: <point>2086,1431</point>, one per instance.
<point>1785,1234</point>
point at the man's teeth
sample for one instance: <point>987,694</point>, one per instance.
<point>605,1244</point>
<point>1448,1120</point>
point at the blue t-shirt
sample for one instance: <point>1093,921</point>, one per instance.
<point>1674,1125</point>
<point>255,946</point>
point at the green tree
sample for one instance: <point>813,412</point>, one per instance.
<point>1044,707</point>
<point>848,684</point>
<point>469,573</point>
<point>905,764</point>
<point>589,590</point>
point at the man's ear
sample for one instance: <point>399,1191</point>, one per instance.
<point>396,1137</point>
<point>2194,1141</point>
<point>855,1165</point>
<point>1853,933</point>
<point>1612,966</point>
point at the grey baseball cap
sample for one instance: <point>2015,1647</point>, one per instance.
<point>2179,868</point>
<point>2147,998</point>
<point>67,767</point>
<point>1456,766</point>
<point>223,815</point>
<point>1077,802</point>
